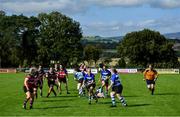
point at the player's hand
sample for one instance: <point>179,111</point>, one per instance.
<point>28,91</point>
<point>83,86</point>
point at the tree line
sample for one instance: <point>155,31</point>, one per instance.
<point>45,39</point>
<point>54,37</point>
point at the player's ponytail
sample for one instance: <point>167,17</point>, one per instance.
<point>114,71</point>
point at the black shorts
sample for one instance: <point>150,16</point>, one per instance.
<point>90,85</point>
<point>117,89</point>
<point>40,83</point>
<point>80,80</point>
<point>150,82</point>
<point>106,82</point>
<point>30,89</point>
<point>64,80</point>
<point>51,83</point>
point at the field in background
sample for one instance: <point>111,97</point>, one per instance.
<point>165,102</point>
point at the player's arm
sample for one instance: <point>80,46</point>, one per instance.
<point>75,77</point>
<point>93,79</point>
<point>46,75</point>
<point>84,81</point>
<point>144,74</point>
<point>26,83</point>
<point>110,85</point>
<point>109,76</point>
<point>156,76</point>
<point>67,76</point>
<point>100,78</point>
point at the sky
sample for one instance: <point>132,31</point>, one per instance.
<point>106,18</point>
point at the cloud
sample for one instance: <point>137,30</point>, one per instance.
<point>78,6</point>
<point>164,25</point>
<point>165,4</point>
<point>121,3</point>
<point>37,6</point>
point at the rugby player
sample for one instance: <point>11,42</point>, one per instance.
<point>51,77</point>
<point>40,78</point>
<point>79,77</point>
<point>30,83</point>
<point>62,76</point>
<point>150,76</point>
<point>117,89</point>
<point>83,68</point>
<point>90,84</point>
<point>104,78</point>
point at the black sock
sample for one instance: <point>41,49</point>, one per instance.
<point>31,102</point>
<point>25,101</point>
<point>152,91</point>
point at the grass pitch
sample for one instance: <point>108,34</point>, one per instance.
<point>165,102</point>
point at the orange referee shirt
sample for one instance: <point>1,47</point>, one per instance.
<point>150,74</point>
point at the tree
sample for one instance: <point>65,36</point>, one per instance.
<point>60,38</point>
<point>18,36</point>
<point>122,63</point>
<point>147,47</point>
<point>92,53</point>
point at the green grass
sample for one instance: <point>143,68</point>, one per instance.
<point>165,102</point>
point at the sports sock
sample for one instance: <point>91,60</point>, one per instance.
<point>113,100</point>
<point>80,91</point>
<point>31,102</point>
<point>152,92</point>
<point>122,100</point>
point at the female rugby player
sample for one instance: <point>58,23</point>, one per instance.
<point>30,83</point>
<point>116,89</point>
<point>89,82</point>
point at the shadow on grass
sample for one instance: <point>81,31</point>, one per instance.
<point>52,107</point>
<point>138,105</point>
<point>56,100</point>
<point>132,96</point>
<point>109,103</point>
<point>67,96</point>
<point>167,94</point>
<point>131,105</point>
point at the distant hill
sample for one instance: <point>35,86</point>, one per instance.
<point>102,39</point>
<point>172,35</point>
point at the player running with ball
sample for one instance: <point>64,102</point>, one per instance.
<point>89,82</point>
<point>79,77</point>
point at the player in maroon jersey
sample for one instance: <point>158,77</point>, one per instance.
<point>40,77</point>
<point>30,83</point>
<point>51,77</point>
<point>62,76</point>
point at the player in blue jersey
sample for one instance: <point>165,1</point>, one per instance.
<point>89,82</point>
<point>116,89</point>
<point>79,77</point>
<point>104,78</point>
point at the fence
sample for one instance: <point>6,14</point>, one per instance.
<point>95,71</point>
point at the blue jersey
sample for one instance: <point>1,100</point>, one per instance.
<point>115,80</point>
<point>105,74</point>
<point>89,78</point>
<point>79,75</point>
